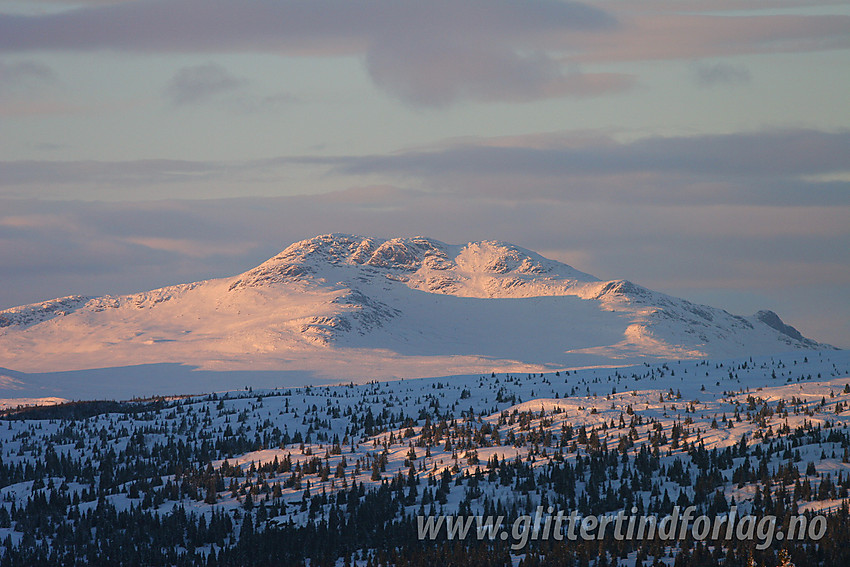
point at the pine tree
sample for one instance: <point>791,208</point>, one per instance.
<point>785,559</point>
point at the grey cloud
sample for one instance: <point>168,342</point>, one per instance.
<point>780,152</point>
<point>474,55</point>
<point>763,167</point>
<point>56,248</point>
<point>200,83</point>
<point>424,53</point>
<point>24,77</point>
<point>96,247</point>
<point>338,25</point>
<point>435,53</point>
<point>77,3</point>
<point>32,172</point>
<point>676,32</point>
<point>712,74</point>
<point>437,75</point>
<point>136,179</point>
<point>776,168</point>
<point>49,146</point>
<point>267,103</point>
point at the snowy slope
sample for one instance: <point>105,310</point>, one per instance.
<point>343,307</point>
<point>776,423</point>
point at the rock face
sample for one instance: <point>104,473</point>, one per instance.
<point>399,258</point>
<point>772,320</point>
<point>344,306</point>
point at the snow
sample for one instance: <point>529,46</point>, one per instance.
<point>339,308</point>
<point>812,384</point>
<point>13,403</point>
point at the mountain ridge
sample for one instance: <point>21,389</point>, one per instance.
<point>350,306</point>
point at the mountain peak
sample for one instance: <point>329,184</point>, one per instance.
<point>772,320</point>
<point>314,257</point>
<point>410,306</point>
<point>403,253</point>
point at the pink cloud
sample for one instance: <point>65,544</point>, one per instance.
<point>684,36</point>
<point>441,51</point>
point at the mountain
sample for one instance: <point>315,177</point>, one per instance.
<point>344,307</point>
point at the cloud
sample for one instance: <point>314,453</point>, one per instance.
<point>23,79</point>
<point>83,242</point>
<point>426,54</point>
<point>200,83</point>
<point>438,52</point>
<point>188,247</point>
<point>437,75</point>
<point>54,248</point>
<point>667,35</point>
<point>775,167</point>
<point>265,103</point>
<point>139,172</point>
<point>12,74</point>
<point>31,88</point>
<point>323,26</point>
<point>712,74</point>
<point>772,168</point>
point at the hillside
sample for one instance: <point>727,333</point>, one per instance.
<point>343,307</point>
<point>338,474</point>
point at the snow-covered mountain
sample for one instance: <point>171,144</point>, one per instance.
<point>354,308</point>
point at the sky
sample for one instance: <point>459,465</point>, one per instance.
<point>700,148</point>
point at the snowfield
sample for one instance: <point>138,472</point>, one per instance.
<point>307,411</point>
<point>351,308</point>
<point>758,433</point>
